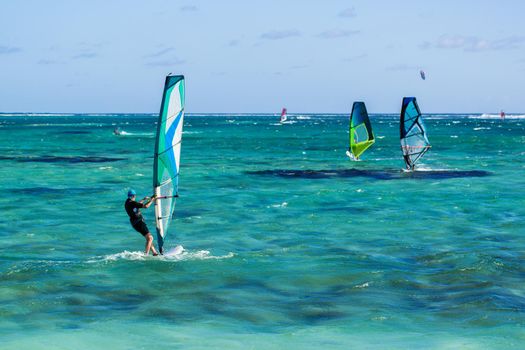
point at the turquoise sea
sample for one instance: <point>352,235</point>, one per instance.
<point>288,243</point>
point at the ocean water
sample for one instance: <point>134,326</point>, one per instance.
<point>288,243</point>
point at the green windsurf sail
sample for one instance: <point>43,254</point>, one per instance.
<point>167,154</point>
<point>412,133</point>
<point>361,135</point>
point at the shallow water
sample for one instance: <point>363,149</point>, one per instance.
<point>288,242</point>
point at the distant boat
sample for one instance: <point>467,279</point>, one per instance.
<point>422,74</point>
<point>361,135</point>
<point>414,141</point>
<point>283,115</point>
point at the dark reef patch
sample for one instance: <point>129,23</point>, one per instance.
<point>373,174</point>
<point>73,132</point>
<point>61,159</point>
<point>43,191</point>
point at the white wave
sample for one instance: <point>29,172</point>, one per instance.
<point>351,156</point>
<point>140,134</point>
<point>497,116</point>
<point>191,132</point>
<point>282,205</point>
<point>454,136</point>
<point>303,117</point>
<point>170,256</point>
<point>37,115</point>
<point>482,128</point>
<point>424,169</point>
<point>68,124</point>
<point>364,285</point>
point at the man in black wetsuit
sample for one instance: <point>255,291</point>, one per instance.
<point>137,221</point>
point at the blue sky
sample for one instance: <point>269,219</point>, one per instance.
<point>257,56</point>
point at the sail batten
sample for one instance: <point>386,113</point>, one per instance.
<point>412,133</point>
<point>361,134</point>
<point>167,153</point>
<point>168,149</point>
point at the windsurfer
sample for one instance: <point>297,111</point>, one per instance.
<point>137,221</point>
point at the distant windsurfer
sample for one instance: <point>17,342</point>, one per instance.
<point>284,115</point>
<point>137,221</point>
<point>502,114</point>
<point>117,131</point>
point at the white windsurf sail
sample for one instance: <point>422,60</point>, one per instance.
<point>284,115</point>
<point>167,154</point>
<point>412,133</point>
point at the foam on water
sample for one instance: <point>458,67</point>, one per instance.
<point>280,205</point>
<point>172,255</point>
<point>141,134</point>
<point>497,116</point>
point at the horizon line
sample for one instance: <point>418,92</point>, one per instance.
<point>248,113</point>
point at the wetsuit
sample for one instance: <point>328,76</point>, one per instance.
<point>135,216</point>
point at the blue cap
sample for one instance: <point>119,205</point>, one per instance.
<point>131,193</point>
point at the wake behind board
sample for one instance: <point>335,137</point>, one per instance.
<point>174,251</point>
<point>351,156</point>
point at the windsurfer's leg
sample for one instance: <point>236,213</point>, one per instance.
<point>149,245</point>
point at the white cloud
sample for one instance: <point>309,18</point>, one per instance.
<point>355,58</point>
<point>282,34</point>
<point>337,33</point>
<point>349,12</point>
<point>85,55</point>
<point>5,50</point>
<point>189,8</point>
<point>166,62</point>
<point>49,62</point>
<point>473,43</point>
<point>161,52</point>
<point>402,67</point>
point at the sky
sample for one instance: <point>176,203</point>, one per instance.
<point>257,56</point>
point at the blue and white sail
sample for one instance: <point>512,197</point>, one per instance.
<point>412,133</point>
<point>167,154</point>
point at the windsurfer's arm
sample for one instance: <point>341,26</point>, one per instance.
<point>149,201</point>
